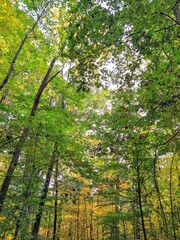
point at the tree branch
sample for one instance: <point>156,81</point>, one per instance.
<point>164,143</point>
<point>165,14</point>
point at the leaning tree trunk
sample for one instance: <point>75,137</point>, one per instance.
<point>12,166</point>
<point>17,151</point>
<point>11,69</point>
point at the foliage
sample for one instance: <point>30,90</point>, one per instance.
<point>89,123</point>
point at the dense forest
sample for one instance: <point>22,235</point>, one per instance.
<point>89,119</point>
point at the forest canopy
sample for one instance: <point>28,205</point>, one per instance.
<point>89,119</point>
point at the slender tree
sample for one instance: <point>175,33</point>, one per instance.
<point>13,62</point>
<point>22,139</point>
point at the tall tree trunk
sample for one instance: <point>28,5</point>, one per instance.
<point>139,179</point>
<point>136,227</point>
<point>12,166</point>
<point>115,226</point>
<point>11,69</point>
<point>91,220</point>
<point>171,199</point>
<point>58,237</point>
<point>86,219</point>
<point>56,203</point>
<point>163,216</point>
<point>77,222</point>
<point>43,197</point>
<point>97,231</point>
<point>17,151</point>
<point>123,221</point>
<point>140,205</point>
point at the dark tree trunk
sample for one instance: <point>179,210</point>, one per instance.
<point>139,179</point>
<point>77,223</point>
<point>43,197</point>
<point>163,216</point>
<point>171,199</point>
<point>16,231</point>
<point>91,220</point>
<point>86,220</point>
<point>56,202</point>
<point>140,205</point>
<point>115,226</point>
<point>12,166</point>
<point>23,138</point>
<point>42,87</point>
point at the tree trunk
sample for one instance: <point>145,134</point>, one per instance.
<point>56,202</point>
<point>91,220</point>
<point>42,87</point>
<point>140,205</point>
<point>86,220</point>
<point>23,138</point>
<point>139,195</point>
<point>163,216</point>
<point>12,166</point>
<point>171,199</point>
<point>43,197</point>
<point>136,227</point>
<point>77,222</point>
<point>115,226</point>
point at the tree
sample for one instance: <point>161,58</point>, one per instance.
<point>89,119</point>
